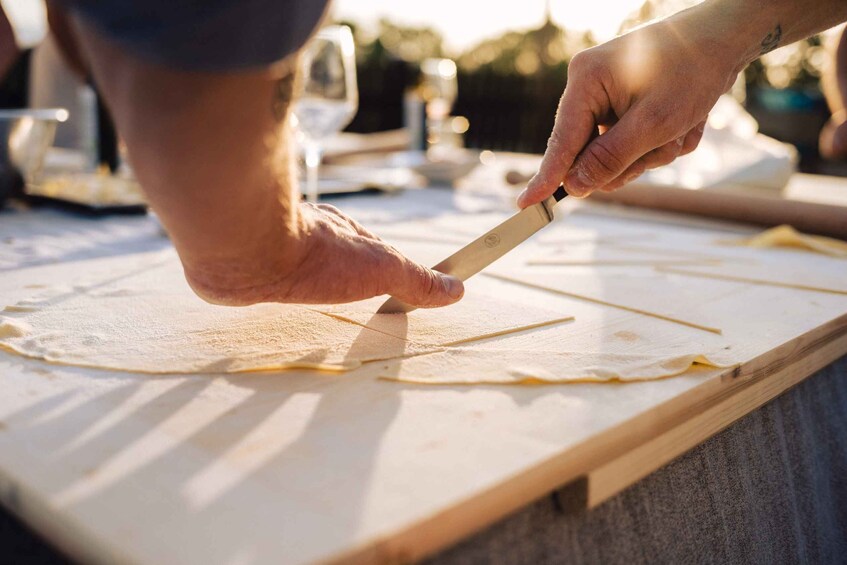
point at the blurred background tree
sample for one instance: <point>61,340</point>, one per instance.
<point>509,85</point>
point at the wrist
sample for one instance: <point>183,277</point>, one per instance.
<point>254,273</point>
<point>728,33</point>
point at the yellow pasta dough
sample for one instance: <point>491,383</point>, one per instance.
<point>148,320</point>
<point>478,365</point>
<point>615,292</point>
<point>153,323</point>
<point>787,236</point>
<point>474,318</point>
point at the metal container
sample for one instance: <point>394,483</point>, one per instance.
<point>26,135</point>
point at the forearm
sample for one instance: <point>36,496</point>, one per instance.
<point>648,93</point>
<point>755,27</point>
<point>212,152</point>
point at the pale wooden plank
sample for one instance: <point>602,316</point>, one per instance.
<point>813,352</point>
<point>314,467</point>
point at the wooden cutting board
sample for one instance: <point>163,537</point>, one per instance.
<point>301,467</point>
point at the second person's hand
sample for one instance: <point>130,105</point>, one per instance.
<point>632,104</point>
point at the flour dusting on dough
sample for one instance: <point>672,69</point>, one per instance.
<point>474,318</point>
<point>153,323</point>
<point>10,328</point>
<point>15,308</point>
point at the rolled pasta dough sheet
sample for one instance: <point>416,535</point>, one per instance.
<point>474,318</point>
<point>788,237</point>
<point>153,323</point>
<point>481,366</point>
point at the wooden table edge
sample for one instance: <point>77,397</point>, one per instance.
<point>606,464</point>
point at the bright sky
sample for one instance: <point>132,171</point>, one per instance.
<point>462,22</point>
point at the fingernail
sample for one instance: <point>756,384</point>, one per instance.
<point>455,288</point>
<point>680,140</point>
<point>577,179</point>
<point>521,197</point>
<point>701,127</point>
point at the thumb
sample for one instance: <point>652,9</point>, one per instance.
<point>419,286</point>
<point>610,154</point>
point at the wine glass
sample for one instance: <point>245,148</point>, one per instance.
<point>439,91</point>
<point>328,96</point>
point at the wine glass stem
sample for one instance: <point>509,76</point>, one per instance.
<point>313,153</point>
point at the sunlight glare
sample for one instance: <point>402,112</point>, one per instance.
<point>463,24</point>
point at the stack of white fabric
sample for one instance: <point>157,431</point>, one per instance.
<point>732,152</point>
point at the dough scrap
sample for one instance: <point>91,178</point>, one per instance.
<point>767,276</point>
<point>474,318</point>
<point>557,285</point>
<point>619,255</point>
<point>787,237</point>
<point>481,366</point>
<point>569,262</point>
<point>153,323</point>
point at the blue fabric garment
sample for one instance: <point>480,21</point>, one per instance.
<point>205,35</point>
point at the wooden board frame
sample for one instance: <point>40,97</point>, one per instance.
<point>686,422</point>
<point>592,471</point>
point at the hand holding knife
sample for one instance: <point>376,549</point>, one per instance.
<point>487,248</point>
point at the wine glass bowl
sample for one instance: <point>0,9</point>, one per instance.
<point>327,97</point>
<point>439,90</point>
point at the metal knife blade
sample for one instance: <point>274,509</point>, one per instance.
<point>490,246</point>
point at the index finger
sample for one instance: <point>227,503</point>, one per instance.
<point>574,127</point>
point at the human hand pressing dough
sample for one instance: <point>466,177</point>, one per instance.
<point>338,260</point>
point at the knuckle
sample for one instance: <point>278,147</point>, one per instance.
<point>390,265</point>
<point>636,169</point>
<point>577,60</point>
<point>665,154</point>
<point>581,63</point>
<point>602,161</point>
<point>421,286</point>
<point>431,285</point>
<point>407,280</point>
<point>329,208</point>
<point>555,142</point>
<point>364,278</point>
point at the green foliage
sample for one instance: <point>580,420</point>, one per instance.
<point>395,42</point>
<point>545,50</point>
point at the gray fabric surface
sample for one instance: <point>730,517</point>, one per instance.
<point>772,488</point>
<point>212,35</point>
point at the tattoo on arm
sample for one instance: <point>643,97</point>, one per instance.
<point>771,40</point>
